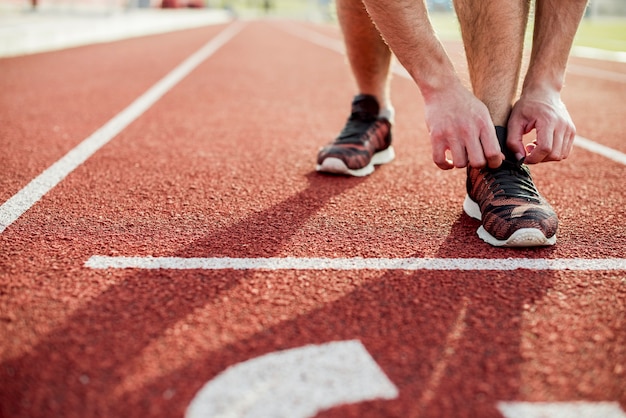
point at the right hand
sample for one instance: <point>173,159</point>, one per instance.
<point>460,123</point>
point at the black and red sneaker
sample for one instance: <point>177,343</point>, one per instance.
<point>364,142</point>
<point>505,199</point>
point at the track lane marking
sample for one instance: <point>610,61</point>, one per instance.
<point>337,46</point>
<point>600,149</point>
<point>357,263</point>
<point>578,69</point>
<point>598,54</point>
<point>580,409</point>
<point>584,71</point>
<point>26,198</point>
<point>296,383</point>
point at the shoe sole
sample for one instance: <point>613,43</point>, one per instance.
<point>525,237</point>
<point>336,166</point>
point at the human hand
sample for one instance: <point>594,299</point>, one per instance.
<point>543,111</point>
<point>460,123</point>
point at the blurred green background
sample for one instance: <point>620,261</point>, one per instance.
<point>604,24</point>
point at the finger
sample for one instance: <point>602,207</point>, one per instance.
<point>444,164</point>
<point>439,156</point>
<point>556,154</point>
<point>543,146</point>
<point>515,138</point>
<point>569,143</point>
<point>459,155</point>
<point>476,157</point>
<point>491,147</point>
<point>474,151</point>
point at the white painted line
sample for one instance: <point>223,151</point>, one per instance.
<point>561,409</point>
<point>23,200</point>
<point>291,263</point>
<point>600,149</point>
<point>599,54</point>
<point>596,73</point>
<point>314,37</point>
<point>297,383</point>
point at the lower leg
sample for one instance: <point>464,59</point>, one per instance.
<point>368,55</point>
<point>493,35</point>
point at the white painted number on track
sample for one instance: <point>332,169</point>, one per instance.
<point>561,410</point>
<point>296,383</point>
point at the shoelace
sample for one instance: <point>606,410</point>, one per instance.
<point>356,125</point>
<point>512,179</point>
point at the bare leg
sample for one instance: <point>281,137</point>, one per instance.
<point>368,54</point>
<point>540,106</point>
<point>493,34</point>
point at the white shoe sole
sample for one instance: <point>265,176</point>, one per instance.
<point>525,237</point>
<point>337,166</point>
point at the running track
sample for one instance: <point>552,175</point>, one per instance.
<point>194,244</point>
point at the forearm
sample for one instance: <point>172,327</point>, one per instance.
<point>406,28</point>
<point>556,22</point>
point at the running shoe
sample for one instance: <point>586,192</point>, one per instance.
<point>364,142</point>
<point>505,199</point>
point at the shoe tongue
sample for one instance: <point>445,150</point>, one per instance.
<point>501,133</point>
<point>365,106</point>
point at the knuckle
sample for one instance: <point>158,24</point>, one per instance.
<point>440,132</point>
<point>460,164</point>
<point>556,156</point>
<point>440,162</point>
<point>438,157</point>
<point>494,157</point>
<point>478,163</point>
<point>543,148</point>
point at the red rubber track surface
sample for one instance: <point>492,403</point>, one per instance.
<point>223,166</point>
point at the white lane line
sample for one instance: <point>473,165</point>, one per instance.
<point>292,263</point>
<point>314,37</point>
<point>599,54</point>
<point>337,46</point>
<point>579,409</point>
<point>600,149</point>
<point>23,200</point>
<point>296,383</point>
<point>585,71</point>
<point>333,44</point>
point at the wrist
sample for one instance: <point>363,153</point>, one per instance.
<point>432,87</point>
<point>544,87</point>
<point>544,80</point>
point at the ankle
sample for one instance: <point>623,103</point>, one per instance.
<point>388,112</point>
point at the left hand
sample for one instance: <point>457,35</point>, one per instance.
<point>543,111</point>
